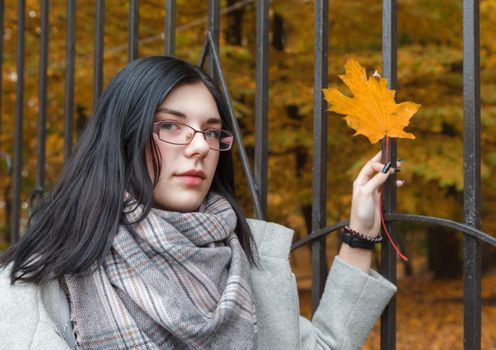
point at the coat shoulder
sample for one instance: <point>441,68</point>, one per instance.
<point>26,321</point>
<point>272,239</point>
<point>14,293</point>
<point>19,310</point>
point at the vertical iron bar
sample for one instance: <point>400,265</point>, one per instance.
<point>98,53</point>
<point>70,57</point>
<point>19,115</point>
<point>472,173</point>
<point>204,52</point>
<point>1,65</point>
<point>42,92</point>
<point>388,254</point>
<point>237,133</point>
<point>170,27</point>
<point>133,29</point>
<point>261,103</point>
<point>319,184</point>
<point>5,233</point>
<point>213,28</point>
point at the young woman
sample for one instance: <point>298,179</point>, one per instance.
<point>141,244</point>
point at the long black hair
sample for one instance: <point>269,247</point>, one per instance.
<point>73,226</point>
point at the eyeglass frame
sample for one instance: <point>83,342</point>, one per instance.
<point>156,130</point>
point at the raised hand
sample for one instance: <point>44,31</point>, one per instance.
<point>365,207</point>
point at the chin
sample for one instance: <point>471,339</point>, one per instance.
<point>188,208</point>
<point>180,206</point>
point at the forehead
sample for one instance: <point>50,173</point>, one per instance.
<point>192,100</point>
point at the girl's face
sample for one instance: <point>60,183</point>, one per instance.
<point>191,104</point>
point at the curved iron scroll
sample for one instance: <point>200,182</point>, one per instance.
<point>466,229</point>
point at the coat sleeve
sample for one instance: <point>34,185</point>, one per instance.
<point>351,303</point>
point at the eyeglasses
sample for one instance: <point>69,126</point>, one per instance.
<point>176,133</point>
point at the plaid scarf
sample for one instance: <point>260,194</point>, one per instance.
<point>181,283</point>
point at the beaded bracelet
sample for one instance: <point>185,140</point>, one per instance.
<point>371,239</point>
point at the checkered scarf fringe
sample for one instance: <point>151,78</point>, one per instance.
<point>182,283</point>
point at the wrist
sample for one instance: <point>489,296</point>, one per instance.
<point>364,229</point>
<point>357,248</point>
<point>358,257</point>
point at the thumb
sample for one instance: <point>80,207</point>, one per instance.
<point>378,180</point>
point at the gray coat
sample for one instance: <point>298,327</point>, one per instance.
<point>36,317</point>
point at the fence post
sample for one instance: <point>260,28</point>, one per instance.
<point>319,183</point>
<point>261,103</point>
<point>472,167</point>
<point>388,255</point>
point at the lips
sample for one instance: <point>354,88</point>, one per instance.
<point>192,177</point>
<point>194,173</point>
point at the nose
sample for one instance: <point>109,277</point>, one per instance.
<point>198,145</point>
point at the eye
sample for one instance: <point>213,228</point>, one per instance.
<point>212,133</point>
<point>169,126</point>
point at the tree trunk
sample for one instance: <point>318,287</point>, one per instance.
<point>444,258</point>
<point>278,32</point>
<point>8,214</point>
<point>234,30</point>
<point>406,264</point>
<point>488,257</point>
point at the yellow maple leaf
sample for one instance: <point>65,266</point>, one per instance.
<point>372,111</point>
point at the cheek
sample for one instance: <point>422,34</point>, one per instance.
<point>215,161</point>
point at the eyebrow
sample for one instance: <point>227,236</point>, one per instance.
<point>182,115</point>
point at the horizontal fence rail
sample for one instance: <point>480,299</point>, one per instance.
<point>258,179</point>
<point>466,229</point>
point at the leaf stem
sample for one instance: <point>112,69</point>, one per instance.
<point>382,216</point>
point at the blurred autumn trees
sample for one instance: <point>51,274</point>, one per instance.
<point>429,73</point>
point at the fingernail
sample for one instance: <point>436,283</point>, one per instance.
<point>386,167</point>
<point>401,161</point>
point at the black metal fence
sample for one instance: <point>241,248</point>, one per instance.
<point>257,179</point>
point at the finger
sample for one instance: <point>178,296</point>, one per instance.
<point>377,157</point>
<point>400,183</point>
<point>375,182</point>
<point>368,171</point>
